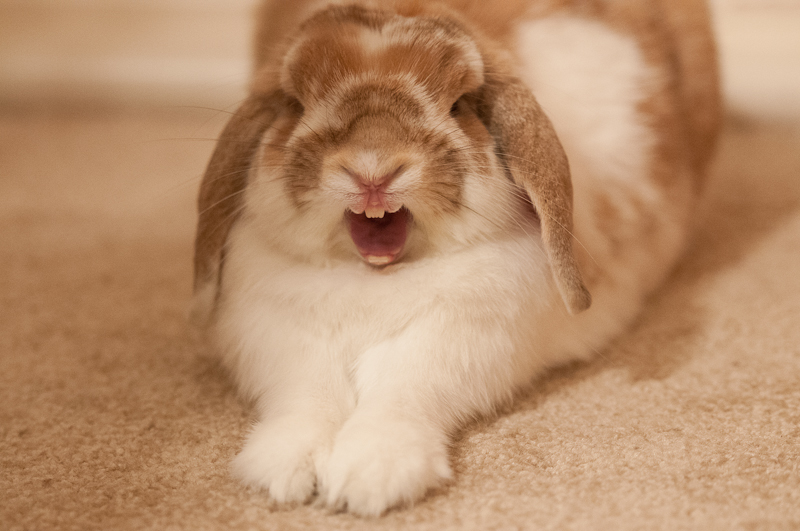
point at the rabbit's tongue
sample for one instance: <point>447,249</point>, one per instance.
<point>379,240</point>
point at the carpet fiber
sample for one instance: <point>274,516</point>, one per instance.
<point>113,416</point>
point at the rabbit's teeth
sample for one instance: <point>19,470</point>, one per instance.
<point>378,260</point>
<point>374,212</point>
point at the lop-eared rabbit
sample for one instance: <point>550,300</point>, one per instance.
<point>421,205</point>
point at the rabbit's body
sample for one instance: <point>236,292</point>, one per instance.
<point>362,373</point>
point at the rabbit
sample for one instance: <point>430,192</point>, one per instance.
<point>421,206</point>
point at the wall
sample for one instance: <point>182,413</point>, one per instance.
<point>195,52</point>
<point>759,43</point>
<point>155,52</point>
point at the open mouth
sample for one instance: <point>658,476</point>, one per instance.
<point>379,240</point>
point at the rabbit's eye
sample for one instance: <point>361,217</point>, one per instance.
<point>295,106</point>
<point>454,110</point>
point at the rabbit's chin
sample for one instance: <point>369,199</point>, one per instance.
<point>380,240</point>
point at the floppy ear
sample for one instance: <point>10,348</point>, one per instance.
<point>222,192</point>
<point>528,144</point>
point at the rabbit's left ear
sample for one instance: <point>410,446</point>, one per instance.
<point>530,148</point>
<point>221,193</point>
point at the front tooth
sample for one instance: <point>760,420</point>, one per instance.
<point>374,212</point>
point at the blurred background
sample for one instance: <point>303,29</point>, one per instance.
<point>57,53</point>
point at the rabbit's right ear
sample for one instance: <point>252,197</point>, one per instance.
<point>221,195</point>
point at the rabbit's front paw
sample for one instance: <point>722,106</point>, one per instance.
<point>280,456</point>
<point>378,464</point>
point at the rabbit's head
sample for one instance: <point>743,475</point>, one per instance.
<point>384,138</point>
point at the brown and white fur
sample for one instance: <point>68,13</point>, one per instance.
<point>523,154</point>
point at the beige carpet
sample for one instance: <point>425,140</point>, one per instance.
<point>113,417</point>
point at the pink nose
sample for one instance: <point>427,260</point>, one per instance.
<point>373,191</point>
<point>375,194</point>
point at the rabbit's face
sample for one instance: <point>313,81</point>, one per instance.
<point>387,146</point>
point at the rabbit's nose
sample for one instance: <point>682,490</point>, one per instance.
<point>376,200</point>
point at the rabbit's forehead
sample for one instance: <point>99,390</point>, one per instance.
<point>436,53</point>
<point>428,36</point>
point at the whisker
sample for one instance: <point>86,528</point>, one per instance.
<point>224,199</point>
